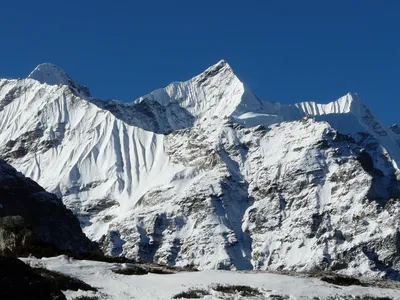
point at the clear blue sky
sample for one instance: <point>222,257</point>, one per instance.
<point>286,51</point>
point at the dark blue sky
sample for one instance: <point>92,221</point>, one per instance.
<point>286,51</point>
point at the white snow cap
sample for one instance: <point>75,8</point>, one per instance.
<point>50,74</point>
<point>220,66</point>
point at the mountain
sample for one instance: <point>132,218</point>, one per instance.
<point>53,75</point>
<point>205,173</point>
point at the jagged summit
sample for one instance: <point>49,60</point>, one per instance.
<point>51,74</point>
<point>220,64</point>
<point>217,91</point>
<point>216,68</point>
<point>350,102</point>
<point>221,69</point>
<point>355,96</point>
<point>352,99</point>
<point>395,128</point>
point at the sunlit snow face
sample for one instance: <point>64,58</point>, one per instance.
<point>202,172</point>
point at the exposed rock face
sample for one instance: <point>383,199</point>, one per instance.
<point>320,203</point>
<point>19,282</point>
<point>309,199</point>
<point>35,221</point>
<point>205,173</point>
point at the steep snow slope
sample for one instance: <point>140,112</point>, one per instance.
<point>217,92</point>
<point>191,174</point>
<point>77,150</point>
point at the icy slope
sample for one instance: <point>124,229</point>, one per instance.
<point>217,92</point>
<point>203,172</point>
<point>80,151</point>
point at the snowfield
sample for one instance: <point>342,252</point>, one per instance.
<point>155,286</point>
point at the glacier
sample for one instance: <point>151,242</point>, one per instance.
<point>205,173</point>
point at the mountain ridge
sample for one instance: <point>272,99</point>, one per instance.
<point>205,173</point>
<point>56,76</point>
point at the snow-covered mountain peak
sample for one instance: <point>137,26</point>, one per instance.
<point>50,74</point>
<point>395,128</point>
<point>351,102</point>
<point>220,67</point>
<point>216,92</point>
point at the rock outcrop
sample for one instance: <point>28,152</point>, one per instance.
<point>20,282</point>
<point>33,221</point>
